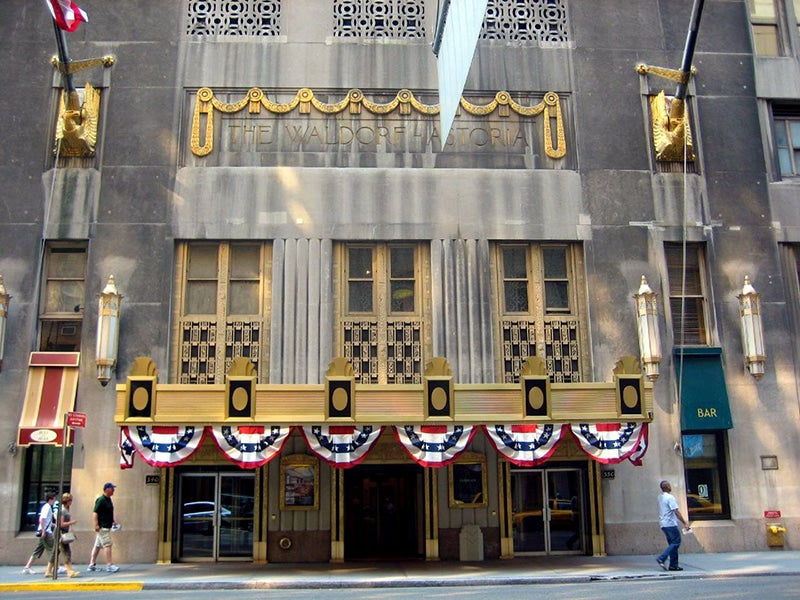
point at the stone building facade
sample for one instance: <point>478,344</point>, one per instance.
<point>300,257</point>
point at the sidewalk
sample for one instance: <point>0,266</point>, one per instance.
<point>533,570</point>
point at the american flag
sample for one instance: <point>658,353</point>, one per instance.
<point>67,14</point>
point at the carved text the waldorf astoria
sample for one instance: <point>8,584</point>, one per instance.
<point>355,132</point>
<point>332,134</point>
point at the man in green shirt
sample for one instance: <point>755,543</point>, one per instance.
<point>103,516</point>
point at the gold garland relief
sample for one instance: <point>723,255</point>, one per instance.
<point>255,98</point>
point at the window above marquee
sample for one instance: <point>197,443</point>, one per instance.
<point>542,308</point>
<point>63,297</point>
<point>223,309</point>
<point>786,123</point>
<point>383,308</point>
<point>774,23</point>
<point>687,294</point>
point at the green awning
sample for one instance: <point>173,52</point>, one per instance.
<point>704,398</point>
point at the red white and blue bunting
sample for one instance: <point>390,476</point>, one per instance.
<point>636,456</point>
<point>126,450</point>
<point>434,445</point>
<point>250,446</point>
<point>611,443</point>
<point>164,446</point>
<point>525,445</point>
<point>341,445</point>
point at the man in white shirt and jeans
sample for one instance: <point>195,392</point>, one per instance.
<point>669,515</point>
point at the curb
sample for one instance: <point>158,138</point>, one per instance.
<point>89,586</point>
<point>331,583</point>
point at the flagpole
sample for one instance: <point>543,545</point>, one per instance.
<point>688,52</point>
<point>441,20</point>
<point>63,59</point>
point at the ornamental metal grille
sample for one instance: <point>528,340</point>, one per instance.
<point>234,17</point>
<point>526,20</point>
<point>519,344</point>
<point>379,18</point>
<point>403,363</point>
<point>361,349</point>
<point>404,347</point>
<point>242,338</point>
<point>562,355</point>
<point>198,352</point>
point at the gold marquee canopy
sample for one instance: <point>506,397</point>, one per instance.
<point>340,420</point>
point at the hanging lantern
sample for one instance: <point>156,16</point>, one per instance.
<point>4,298</point>
<point>647,326</point>
<point>107,331</point>
<point>752,330</point>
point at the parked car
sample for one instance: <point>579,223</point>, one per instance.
<point>698,505</point>
<point>32,514</point>
<point>560,510</point>
<point>198,517</point>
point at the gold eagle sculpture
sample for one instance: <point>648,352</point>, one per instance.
<point>671,130</point>
<point>76,128</point>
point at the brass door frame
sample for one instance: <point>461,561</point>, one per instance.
<point>167,515</point>
<point>386,452</point>
<point>594,498</point>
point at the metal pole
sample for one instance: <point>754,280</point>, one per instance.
<point>57,529</point>
<point>437,41</point>
<point>688,52</point>
<point>63,57</point>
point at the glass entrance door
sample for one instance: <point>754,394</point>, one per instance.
<point>547,511</point>
<point>215,516</point>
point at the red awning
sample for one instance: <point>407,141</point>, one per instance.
<point>50,393</point>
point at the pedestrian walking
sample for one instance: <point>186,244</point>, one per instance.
<point>103,516</point>
<point>66,538</point>
<point>669,515</point>
<point>44,531</point>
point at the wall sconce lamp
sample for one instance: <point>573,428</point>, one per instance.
<point>4,298</point>
<point>752,330</point>
<point>647,326</point>
<point>107,331</point>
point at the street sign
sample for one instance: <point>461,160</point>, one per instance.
<point>772,514</point>
<point>76,419</point>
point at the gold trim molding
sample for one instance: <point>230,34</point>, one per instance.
<point>74,66</point>
<point>255,99</point>
<point>294,404</point>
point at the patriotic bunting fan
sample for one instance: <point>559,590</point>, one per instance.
<point>341,445</point>
<point>250,446</point>
<point>525,445</point>
<point>610,443</point>
<point>434,445</point>
<point>162,446</point>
